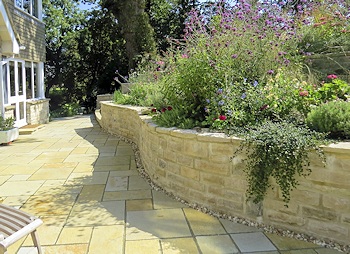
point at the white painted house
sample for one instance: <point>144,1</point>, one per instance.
<point>22,50</point>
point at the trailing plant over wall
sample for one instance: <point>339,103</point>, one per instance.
<point>279,151</point>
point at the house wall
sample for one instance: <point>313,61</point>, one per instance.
<point>197,168</point>
<point>30,33</point>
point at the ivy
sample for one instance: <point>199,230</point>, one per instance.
<point>278,150</point>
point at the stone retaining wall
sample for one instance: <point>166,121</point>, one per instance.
<point>197,168</point>
<point>38,111</point>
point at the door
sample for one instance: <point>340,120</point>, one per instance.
<point>13,88</point>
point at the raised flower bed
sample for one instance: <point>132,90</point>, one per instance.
<point>196,167</point>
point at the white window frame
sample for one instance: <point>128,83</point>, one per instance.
<point>36,13</point>
<point>36,79</point>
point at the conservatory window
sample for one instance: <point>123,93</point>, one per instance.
<point>31,80</point>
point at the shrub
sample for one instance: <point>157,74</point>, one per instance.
<point>141,94</point>
<point>333,90</point>
<point>279,151</point>
<point>332,117</point>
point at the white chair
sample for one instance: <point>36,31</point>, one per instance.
<point>15,224</point>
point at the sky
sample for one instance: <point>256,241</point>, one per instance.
<point>83,6</point>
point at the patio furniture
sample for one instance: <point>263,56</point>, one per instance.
<point>15,224</point>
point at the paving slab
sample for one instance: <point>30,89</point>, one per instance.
<point>179,246</point>
<point>219,244</point>
<point>164,223</point>
<point>203,224</point>
<point>253,242</point>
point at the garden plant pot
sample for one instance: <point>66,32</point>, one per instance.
<point>9,135</point>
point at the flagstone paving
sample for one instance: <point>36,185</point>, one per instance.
<point>83,183</point>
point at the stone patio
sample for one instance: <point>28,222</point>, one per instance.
<point>83,183</point>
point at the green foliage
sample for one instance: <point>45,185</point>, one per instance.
<point>248,103</point>
<point>329,30</point>
<point>6,124</point>
<point>68,109</point>
<point>135,28</point>
<point>332,118</point>
<point>171,118</point>
<point>277,150</point>
<point>336,89</point>
<point>141,94</point>
<point>167,18</point>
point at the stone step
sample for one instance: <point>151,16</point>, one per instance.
<point>29,129</point>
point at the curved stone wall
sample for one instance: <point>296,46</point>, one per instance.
<point>197,168</point>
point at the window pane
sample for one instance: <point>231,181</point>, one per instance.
<point>4,80</point>
<point>20,79</point>
<point>29,81</point>
<point>26,6</point>
<point>12,79</point>
<point>21,110</point>
<point>19,3</point>
<point>36,92</point>
<point>35,8</point>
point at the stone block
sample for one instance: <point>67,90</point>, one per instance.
<point>214,179</point>
<point>195,148</point>
<point>284,220</point>
<point>184,160</point>
<point>219,158</point>
<point>231,207</point>
<point>306,197</point>
<point>207,166</point>
<point>189,172</point>
<point>175,145</point>
<point>186,183</point>
<point>320,214</point>
<point>221,149</point>
<point>333,231</point>
<point>338,202</point>
<point>187,134</point>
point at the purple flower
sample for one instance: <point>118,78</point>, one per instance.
<point>255,83</point>
<point>207,100</point>
<point>270,72</point>
<point>243,96</point>
<point>234,56</point>
<point>219,91</point>
<point>221,103</point>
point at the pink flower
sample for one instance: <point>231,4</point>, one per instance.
<point>222,117</point>
<point>184,56</point>
<point>163,110</point>
<point>154,110</point>
<point>332,76</point>
<point>304,93</point>
<point>170,107</point>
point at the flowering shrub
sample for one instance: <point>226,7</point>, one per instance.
<point>238,46</point>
